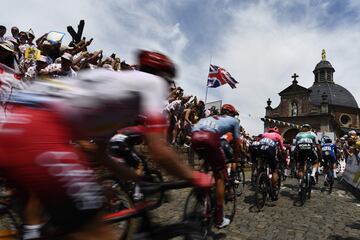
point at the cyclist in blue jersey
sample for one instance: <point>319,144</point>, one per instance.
<point>206,142</point>
<point>328,152</point>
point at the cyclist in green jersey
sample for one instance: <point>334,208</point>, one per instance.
<point>307,147</point>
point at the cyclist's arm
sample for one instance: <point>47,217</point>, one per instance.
<point>166,157</point>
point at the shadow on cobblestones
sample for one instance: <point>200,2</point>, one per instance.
<point>354,225</point>
<point>338,237</point>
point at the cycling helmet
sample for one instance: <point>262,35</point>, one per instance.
<point>120,147</point>
<point>273,129</point>
<point>306,126</point>
<point>326,139</point>
<point>157,63</point>
<point>228,109</point>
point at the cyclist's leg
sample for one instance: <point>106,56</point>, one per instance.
<point>315,163</point>
<point>334,166</point>
<point>326,166</point>
<point>301,164</point>
<point>273,164</point>
<point>253,163</point>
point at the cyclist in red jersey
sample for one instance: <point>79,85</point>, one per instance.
<point>206,142</point>
<point>40,122</point>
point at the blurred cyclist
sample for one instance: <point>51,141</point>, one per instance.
<point>35,133</point>
<point>206,142</point>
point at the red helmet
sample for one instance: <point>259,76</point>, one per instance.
<point>229,108</point>
<point>273,129</point>
<point>157,63</point>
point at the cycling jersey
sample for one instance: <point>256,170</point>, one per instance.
<point>99,101</point>
<point>306,140</point>
<point>328,150</point>
<point>121,145</point>
<point>268,148</point>
<point>219,124</point>
<point>275,137</point>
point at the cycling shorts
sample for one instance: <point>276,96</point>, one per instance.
<point>252,150</point>
<point>304,154</point>
<point>36,157</point>
<point>328,159</point>
<point>269,153</point>
<point>207,145</point>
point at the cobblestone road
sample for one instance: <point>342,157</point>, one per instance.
<point>324,216</point>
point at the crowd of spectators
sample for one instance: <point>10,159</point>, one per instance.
<point>32,57</point>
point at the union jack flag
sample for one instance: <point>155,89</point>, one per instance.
<point>218,76</point>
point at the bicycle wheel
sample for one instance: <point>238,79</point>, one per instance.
<point>330,178</point>
<point>261,190</point>
<point>278,186</point>
<point>308,185</point>
<point>239,181</point>
<point>230,201</point>
<point>117,200</point>
<point>183,230</point>
<point>199,208</point>
<point>303,190</point>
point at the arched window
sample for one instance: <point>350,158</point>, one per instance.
<point>294,109</point>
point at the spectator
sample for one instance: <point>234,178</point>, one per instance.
<point>2,33</point>
<point>33,71</point>
<point>174,111</point>
<point>31,37</point>
<point>15,32</point>
<point>7,54</point>
<point>61,69</point>
<point>23,42</point>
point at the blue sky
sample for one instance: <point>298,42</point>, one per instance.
<point>260,42</point>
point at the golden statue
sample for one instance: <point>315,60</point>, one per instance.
<point>323,55</point>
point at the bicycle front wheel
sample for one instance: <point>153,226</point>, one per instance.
<point>261,190</point>
<point>117,200</point>
<point>239,181</point>
<point>199,208</point>
<point>230,202</point>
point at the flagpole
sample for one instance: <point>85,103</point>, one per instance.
<point>207,88</point>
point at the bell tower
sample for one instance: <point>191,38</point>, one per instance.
<point>324,71</point>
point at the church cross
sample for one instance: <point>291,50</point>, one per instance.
<point>294,77</point>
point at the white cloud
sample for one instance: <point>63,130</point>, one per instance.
<point>263,52</point>
<point>262,45</point>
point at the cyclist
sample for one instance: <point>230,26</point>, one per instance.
<point>329,155</point>
<point>271,146</point>
<point>306,147</point>
<point>254,146</point>
<point>35,133</point>
<point>206,142</point>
